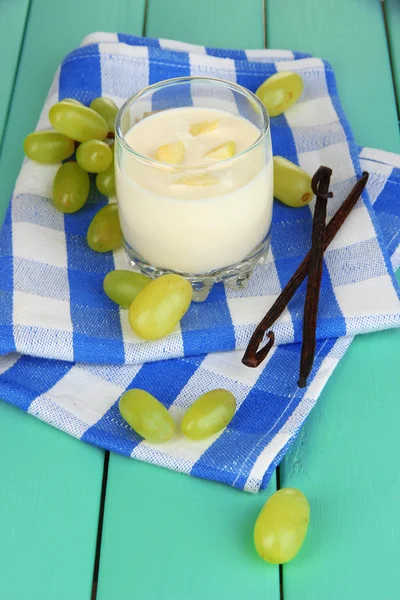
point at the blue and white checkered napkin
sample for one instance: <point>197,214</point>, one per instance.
<point>68,352</point>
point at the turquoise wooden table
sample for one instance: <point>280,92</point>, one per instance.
<point>76,523</point>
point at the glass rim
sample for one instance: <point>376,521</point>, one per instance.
<point>189,79</point>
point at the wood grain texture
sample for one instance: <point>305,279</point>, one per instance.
<point>13,15</point>
<point>392,10</point>
<point>343,459</point>
<point>165,534</point>
<point>222,23</point>
<point>350,34</point>
<point>50,483</point>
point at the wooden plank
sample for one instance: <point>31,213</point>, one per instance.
<point>49,502</point>
<point>226,23</point>
<point>50,483</point>
<point>13,16</point>
<point>392,11</point>
<point>350,34</point>
<point>165,534</point>
<point>345,461</point>
<point>344,457</point>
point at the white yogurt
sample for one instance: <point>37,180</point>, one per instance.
<point>186,228</point>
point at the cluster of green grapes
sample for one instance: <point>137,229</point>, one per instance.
<point>292,185</point>
<point>208,415</point>
<point>81,130</point>
<point>155,308</point>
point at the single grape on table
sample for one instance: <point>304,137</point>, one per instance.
<point>122,287</point>
<point>94,156</point>
<point>159,307</point>
<point>107,109</point>
<point>77,121</point>
<point>147,416</point>
<point>282,526</point>
<point>209,414</point>
<point>48,147</point>
<point>280,91</point>
<point>104,233</point>
<point>292,185</point>
<point>70,187</point>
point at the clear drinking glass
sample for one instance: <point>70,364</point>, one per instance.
<point>208,222</point>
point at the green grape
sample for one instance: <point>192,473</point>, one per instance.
<point>94,156</point>
<point>209,414</point>
<point>159,307</point>
<point>49,147</point>
<point>282,525</point>
<point>70,187</point>
<point>107,109</point>
<point>147,416</point>
<point>292,185</point>
<point>105,181</point>
<point>77,122</point>
<point>122,287</point>
<point>104,233</point>
<point>280,91</point>
<point>72,101</point>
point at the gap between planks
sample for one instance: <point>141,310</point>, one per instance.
<point>389,47</point>
<point>103,494</point>
<point>146,10</point>
<point>96,566</point>
<point>17,65</point>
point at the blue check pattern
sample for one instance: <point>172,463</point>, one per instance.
<point>67,353</point>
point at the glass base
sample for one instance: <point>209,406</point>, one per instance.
<point>235,276</point>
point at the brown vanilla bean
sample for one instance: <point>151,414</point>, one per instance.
<point>252,356</point>
<point>320,186</point>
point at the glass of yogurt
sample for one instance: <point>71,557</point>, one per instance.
<point>194,181</point>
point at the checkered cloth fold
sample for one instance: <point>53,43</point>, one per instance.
<point>67,350</point>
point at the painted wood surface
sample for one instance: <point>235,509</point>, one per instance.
<point>50,483</point>
<point>350,34</point>
<point>343,459</point>
<point>166,535</point>
<point>185,538</point>
<point>13,16</point>
<point>392,11</point>
<point>222,23</point>
<point>49,504</point>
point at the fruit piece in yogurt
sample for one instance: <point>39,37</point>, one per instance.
<point>226,150</point>
<point>203,127</point>
<point>198,179</point>
<point>172,153</point>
